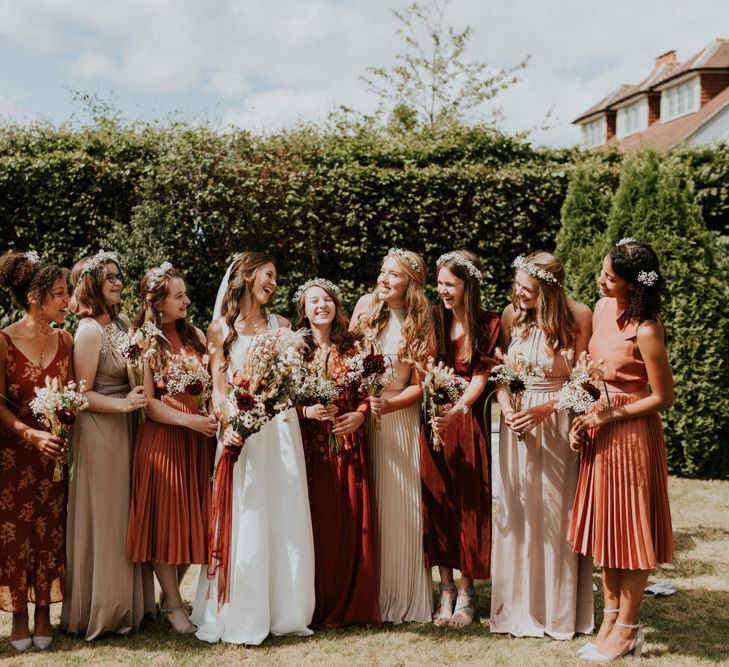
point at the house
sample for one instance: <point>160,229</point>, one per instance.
<point>677,104</point>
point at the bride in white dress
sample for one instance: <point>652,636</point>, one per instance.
<point>271,579</point>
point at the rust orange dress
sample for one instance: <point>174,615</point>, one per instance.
<point>32,505</point>
<point>170,505</point>
<point>456,480</point>
<point>621,515</point>
<point>343,518</point>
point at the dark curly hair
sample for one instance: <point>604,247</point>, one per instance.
<point>628,261</point>
<point>23,276</point>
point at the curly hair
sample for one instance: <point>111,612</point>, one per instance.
<point>552,313</point>
<point>23,276</point>
<point>417,342</point>
<point>150,311</point>
<point>628,260</point>
<point>343,339</point>
<point>88,296</point>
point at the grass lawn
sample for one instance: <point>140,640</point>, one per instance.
<point>689,628</point>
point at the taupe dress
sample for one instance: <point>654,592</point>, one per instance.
<point>105,592</point>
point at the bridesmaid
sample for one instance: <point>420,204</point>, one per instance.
<point>342,507</point>
<point>621,515</point>
<point>540,588</point>
<point>104,591</point>
<point>168,519</point>
<point>395,319</point>
<point>32,505</point>
<point>456,479</point>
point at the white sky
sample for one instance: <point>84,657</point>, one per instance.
<point>268,64</point>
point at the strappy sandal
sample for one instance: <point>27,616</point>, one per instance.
<point>465,608</point>
<point>444,612</point>
<point>188,628</point>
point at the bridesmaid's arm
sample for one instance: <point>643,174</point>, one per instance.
<point>67,340</point>
<point>502,393</point>
<point>413,393</point>
<point>361,306</point>
<point>220,404</point>
<point>583,317</point>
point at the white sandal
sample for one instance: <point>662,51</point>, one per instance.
<point>444,612</point>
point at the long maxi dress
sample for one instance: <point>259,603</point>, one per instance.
<point>105,592</point>
<point>343,518</point>
<point>272,549</point>
<point>457,479</point>
<point>405,583</point>
<point>32,505</point>
<point>621,515</point>
<point>539,586</point>
<point>168,519</point>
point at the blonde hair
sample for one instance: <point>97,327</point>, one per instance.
<point>416,342</point>
<point>551,313</point>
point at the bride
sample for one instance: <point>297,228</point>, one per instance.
<point>271,575</point>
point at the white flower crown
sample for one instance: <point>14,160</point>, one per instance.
<point>317,282</point>
<point>32,256</point>
<point>459,259</point>
<point>534,270</point>
<point>156,275</point>
<point>98,260</point>
<point>626,241</point>
<point>401,254</point>
<point>647,278</point>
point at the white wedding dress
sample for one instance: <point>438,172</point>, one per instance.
<point>272,549</point>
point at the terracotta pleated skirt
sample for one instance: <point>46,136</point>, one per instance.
<point>170,505</point>
<point>621,515</point>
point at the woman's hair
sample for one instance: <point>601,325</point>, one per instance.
<point>88,298</point>
<point>442,317</point>
<point>23,275</point>
<point>634,260</point>
<point>416,344</point>
<point>154,288</point>
<point>242,274</point>
<point>343,339</point>
<point>551,313</point>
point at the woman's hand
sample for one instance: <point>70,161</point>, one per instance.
<point>322,413</point>
<point>591,420</point>
<point>135,399</point>
<point>348,423</point>
<point>577,438</point>
<point>525,420</point>
<point>46,443</point>
<point>208,426</point>
<point>379,406</point>
<point>232,438</point>
<point>440,424</point>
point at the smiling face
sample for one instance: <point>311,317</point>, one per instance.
<point>450,289</point>
<point>610,283</point>
<point>174,305</point>
<point>319,307</point>
<point>264,283</point>
<point>55,305</point>
<point>526,290</point>
<point>112,285</point>
<point>392,283</point>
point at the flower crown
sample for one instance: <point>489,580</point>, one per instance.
<point>98,260</point>
<point>626,241</point>
<point>317,282</point>
<point>32,256</point>
<point>534,270</point>
<point>647,278</point>
<point>402,255</point>
<point>459,259</point>
<point>155,275</point>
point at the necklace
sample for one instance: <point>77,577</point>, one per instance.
<point>36,332</point>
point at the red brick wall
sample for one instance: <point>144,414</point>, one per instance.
<point>712,83</point>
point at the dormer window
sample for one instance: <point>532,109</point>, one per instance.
<point>680,100</point>
<point>594,134</point>
<point>632,119</point>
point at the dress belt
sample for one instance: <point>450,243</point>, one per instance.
<point>546,384</point>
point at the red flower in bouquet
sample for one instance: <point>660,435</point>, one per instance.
<point>195,388</point>
<point>66,417</point>
<point>245,402</point>
<point>373,364</point>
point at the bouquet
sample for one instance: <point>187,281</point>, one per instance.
<point>517,373</point>
<point>442,391</point>
<point>140,349</point>
<point>267,382</point>
<point>56,406</point>
<point>579,395</point>
<point>320,385</point>
<point>187,375</point>
<point>370,372</point>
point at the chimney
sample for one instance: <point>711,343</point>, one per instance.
<point>668,58</point>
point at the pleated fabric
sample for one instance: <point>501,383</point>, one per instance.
<point>404,585</point>
<point>621,515</point>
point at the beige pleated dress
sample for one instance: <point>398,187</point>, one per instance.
<point>105,592</point>
<point>539,586</point>
<point>404,583</point>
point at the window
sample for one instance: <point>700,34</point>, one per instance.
<point>632,119</point>
<point>680,100</point>
<point>594,133</point>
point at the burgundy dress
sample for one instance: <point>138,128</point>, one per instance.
<point>343,519</point>
<point>32,505</point>
<point>457,479</point>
